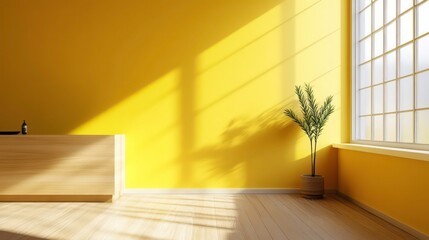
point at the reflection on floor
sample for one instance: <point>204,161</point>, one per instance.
<point>195,216</point>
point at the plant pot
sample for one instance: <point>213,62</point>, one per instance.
<point>312,186</point>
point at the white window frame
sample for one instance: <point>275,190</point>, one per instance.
<point>354,88</point>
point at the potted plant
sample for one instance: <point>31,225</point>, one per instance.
<point>312,121</point>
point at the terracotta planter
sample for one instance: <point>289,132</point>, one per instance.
<point>312,187</point>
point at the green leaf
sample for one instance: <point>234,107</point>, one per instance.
<point>314,117</point>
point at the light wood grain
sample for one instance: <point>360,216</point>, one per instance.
<point>196,216</point>
<point>34,166</point>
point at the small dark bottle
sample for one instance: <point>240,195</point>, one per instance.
<point>24,128</point>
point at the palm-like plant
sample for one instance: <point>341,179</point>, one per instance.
<point>314,118</point>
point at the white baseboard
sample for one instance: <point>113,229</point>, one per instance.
<point>389,219</point>
<point>214,190</point>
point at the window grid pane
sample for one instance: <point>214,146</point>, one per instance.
<point>390,97</point>
<point>393,70</point>
<point>390,66</point>
<point>406,119</point>
<point>365,23</point>
<point>422,19</point>
<point>377,99</point>
<point>404,5</point>
<point>378,14</point>
<point>378,43</point>
<point>377,71</point>
<point>378,128</point>
<point>406,97</point>
<point>390,8</point>
<point>406,60</point>
<point>363,4</point>
<point>365,128</point>
<point>406,27</point>
<point>365,101</point>
<point>422,46</point>
<point>365,49</point>
<point>422,128</point>
<point>390,33</point>
<point>390,127</point>
<point>365,75</point>
<point>422,90</point>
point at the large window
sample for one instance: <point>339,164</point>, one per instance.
<point>391,72</point>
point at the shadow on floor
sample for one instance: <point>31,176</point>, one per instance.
<point>13,236</point>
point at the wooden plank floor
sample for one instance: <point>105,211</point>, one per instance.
<point>196,216</point>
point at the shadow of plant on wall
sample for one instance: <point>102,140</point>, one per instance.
<point>267,151</point>
<point>260,145</point>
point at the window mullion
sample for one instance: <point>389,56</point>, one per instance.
<point>384,69</point>
<point>372,70</point>
<point>414,73</point>
<point>397,72</point>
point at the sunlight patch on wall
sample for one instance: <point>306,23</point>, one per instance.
<point>149,119</point>
<point>235,75</point>
<point>319,20</point>
<point>270,21</point>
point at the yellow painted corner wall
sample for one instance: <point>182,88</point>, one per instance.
<point>397,187</point>
<point>197,87</point>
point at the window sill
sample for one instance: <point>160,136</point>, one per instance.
<point>396,152</point>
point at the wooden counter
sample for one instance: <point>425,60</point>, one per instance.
<point>61,167</point>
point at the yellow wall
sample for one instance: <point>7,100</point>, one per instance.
<point>397,187</point>
<point>198,87</point>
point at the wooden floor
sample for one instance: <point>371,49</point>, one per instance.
<point>193,216</point>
